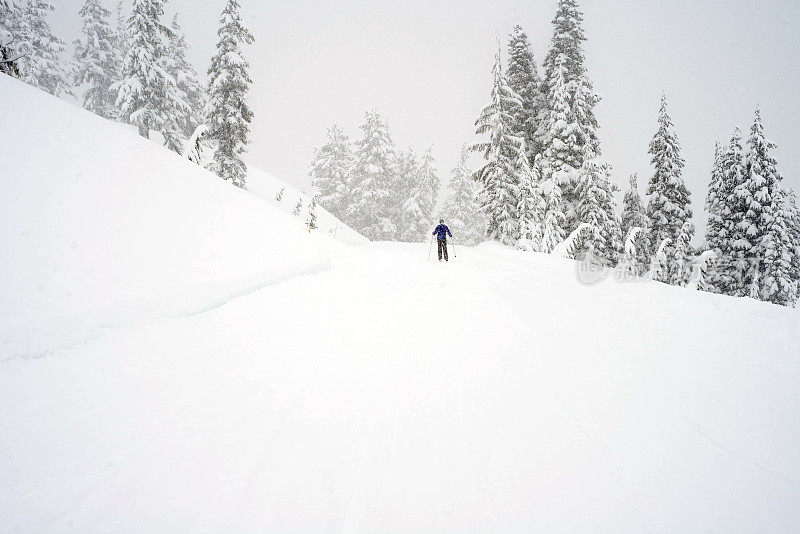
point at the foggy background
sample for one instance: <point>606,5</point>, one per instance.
<point>426,65</point>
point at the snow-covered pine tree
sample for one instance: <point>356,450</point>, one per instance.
<point>370,210</point>
<point>298,207</point>
<point>680,268</point>
<point>330,172</point>
<point>406,176</point>
<point>732,264</point>
<point>793,211</point>
<point>279,195</point>
<point>227,114</point>
<point>716,206</point>
<point>531,205</point>
<point>669,206</point>
<point>633,216</point>
<point>460,209</point>
<point>311,215</point>
<point>41,64</point>
<point>96,61</point>
<point>8,55</point>
<point>184,107</point>
<point>553,233</point>
<point>597,207</point>
<point>568,127</point>
<point>779,284</point>
<point>498,194</point>
<point>764,223</point>
<point>143,87</point>
<point>524,80</point>
<point>417,211</point>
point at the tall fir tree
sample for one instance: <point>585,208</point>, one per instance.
<point>96,61</point>
<point>227,114</point>
<point>460,209</point>
<point>553,233</point>
<point>669,206</point>
<point>730,274</point>
<point>41,64</point>
<point>531,204</point>
<point>418,207</point>
<point>597,207</point>
<point>183,102</point>
<point>144,82</point>
<point>406,176</point>
<point>568,128</point>
<point>766,241</point>
<point>524,80</point>
<point>498,195</point>
<point>633,217</point>
<point>330,172</point>
<point>8,55</point>
<point>370,211</point>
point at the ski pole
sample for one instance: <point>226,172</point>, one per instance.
<point>429,249</point>
<point>454,251</point>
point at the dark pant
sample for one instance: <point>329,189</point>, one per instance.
<point>442,249</point>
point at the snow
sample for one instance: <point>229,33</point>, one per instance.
<point>266,186</point>
<point>258,379</point>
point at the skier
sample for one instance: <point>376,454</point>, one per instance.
<point>441,232</point>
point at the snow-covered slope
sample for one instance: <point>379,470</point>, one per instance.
<point>385,393</point>
<point>266,186</point>
<point>99,227</point>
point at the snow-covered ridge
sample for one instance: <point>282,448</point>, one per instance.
<point>99,228</point>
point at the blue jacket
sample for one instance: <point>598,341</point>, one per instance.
<point>442,232</point>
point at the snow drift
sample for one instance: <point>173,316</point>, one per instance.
<point>100,227</point>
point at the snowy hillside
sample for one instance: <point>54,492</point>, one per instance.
<point>267,187</point>
<point>99,227</point>
<point>180,356</point>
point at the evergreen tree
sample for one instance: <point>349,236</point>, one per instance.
<point>460,210</point>
<point>498,195</point>
<point>195,149</point>
<point>418,207</point>
<point>330,172</point>
<point>183,108</point>
<point>41,64</point>
<point>596,206</point>
<point>732,265</point>
<point>634,216</point>
<point>669,206</point>
<point>681,265</point>
<point>144,83</point>
<point>279,195</point>
<point>311,217</point>
<point>228,116</point>
<point>531,205</point>
<point>96,61</point>
<point>406,172</point>
<point>524,80</point>
<point>765,224</point>
<point>298,207</point>
<point>370,211</point>
<point>8,56</point>
<point>554,233</point>
<point>568,127</point>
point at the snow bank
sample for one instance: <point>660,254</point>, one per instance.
<point>99,227</point>
<point>266,186</point>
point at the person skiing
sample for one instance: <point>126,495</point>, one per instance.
<point>441,232</point>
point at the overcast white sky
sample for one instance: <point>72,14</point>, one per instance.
<point>426,64</point>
